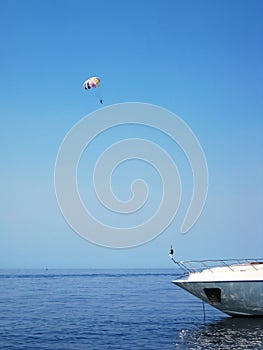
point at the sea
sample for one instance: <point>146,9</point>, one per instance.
<point>113,309</point>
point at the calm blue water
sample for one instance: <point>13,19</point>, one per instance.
<point>112,309</point>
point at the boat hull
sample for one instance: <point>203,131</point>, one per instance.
<point>235,298</point>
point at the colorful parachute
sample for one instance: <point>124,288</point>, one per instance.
<point>92,82</point>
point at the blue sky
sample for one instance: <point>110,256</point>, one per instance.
<point>201,60</point>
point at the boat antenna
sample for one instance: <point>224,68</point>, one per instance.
<point>178,263</point>
<point>171,252</point>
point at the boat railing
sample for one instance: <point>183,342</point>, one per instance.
<point>192,266</point>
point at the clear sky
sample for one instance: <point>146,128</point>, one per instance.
<point>200,59</point>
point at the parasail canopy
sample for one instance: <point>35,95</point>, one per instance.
<point>92,82</point>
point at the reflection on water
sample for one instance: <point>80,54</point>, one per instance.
<point>226,334</point>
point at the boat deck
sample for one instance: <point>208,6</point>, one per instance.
<point>212,266</point>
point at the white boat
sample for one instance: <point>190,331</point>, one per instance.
<point>234,287</point>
